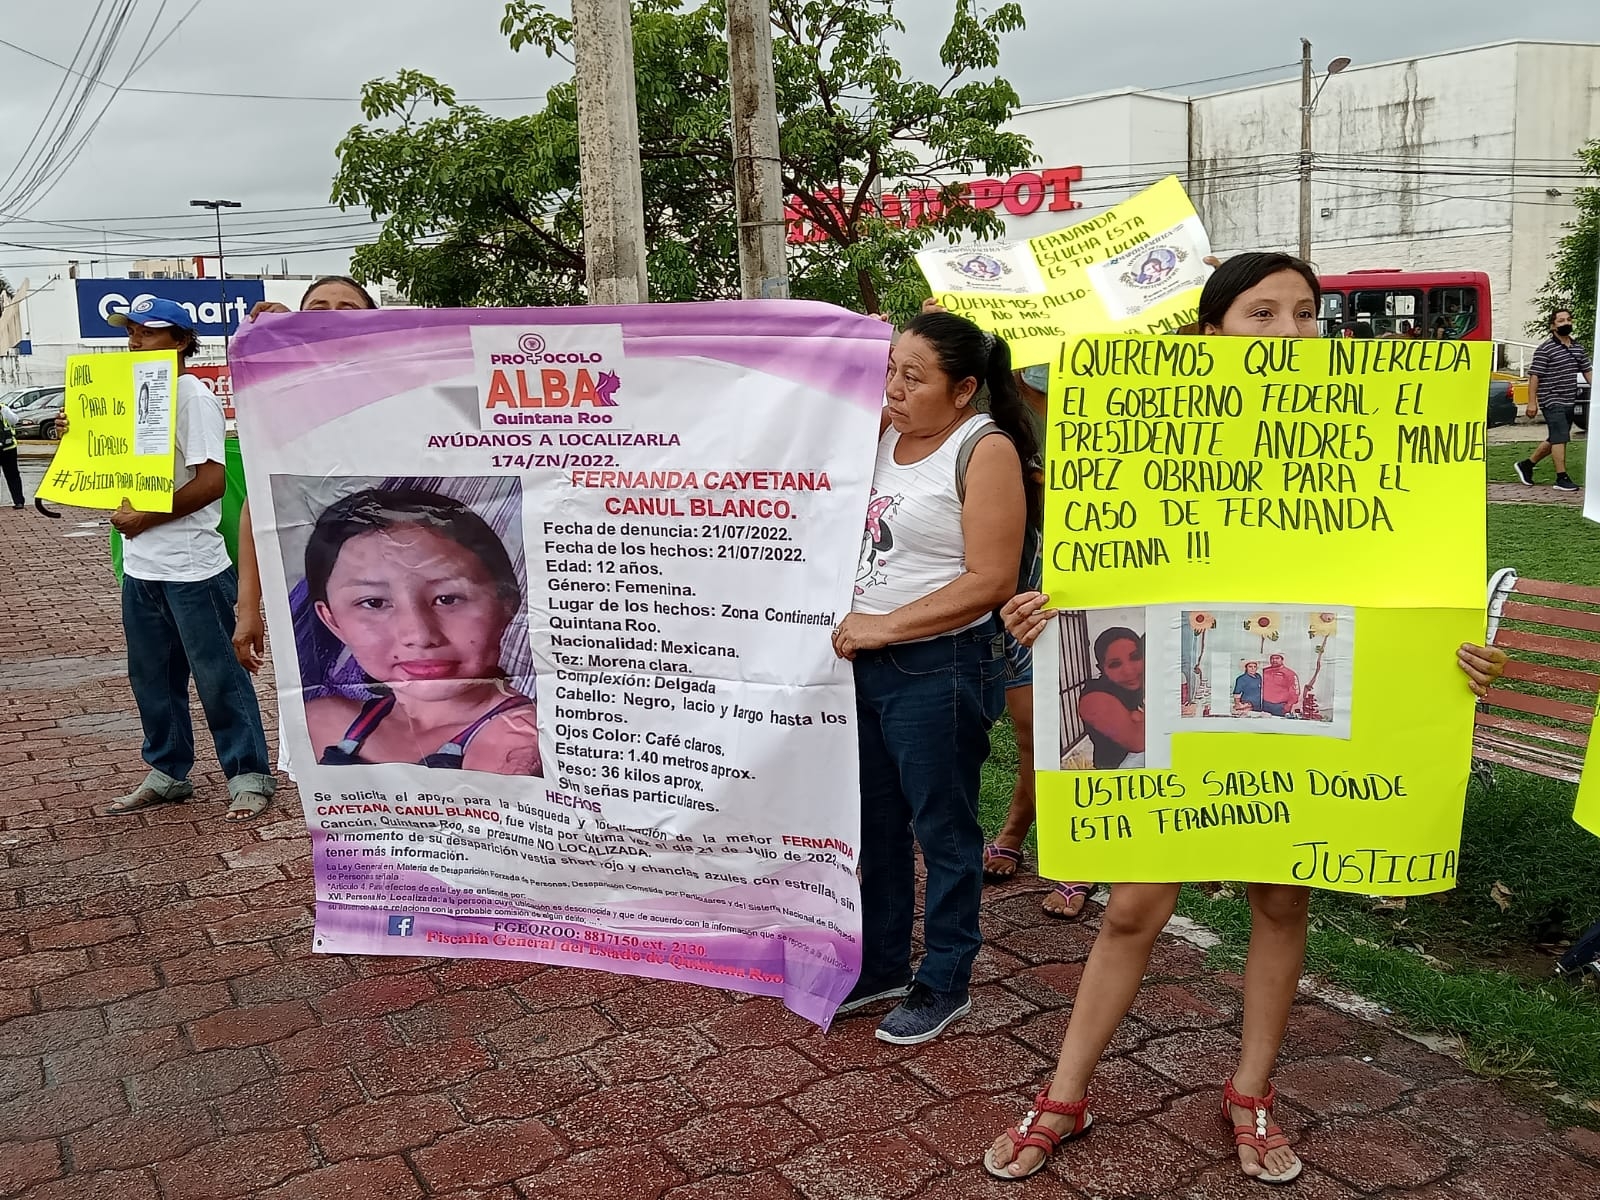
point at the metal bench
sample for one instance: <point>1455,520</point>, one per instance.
<point>1543,617</point>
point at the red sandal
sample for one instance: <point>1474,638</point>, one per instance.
<point>1263,1135</point>
<point>1029,1135</point>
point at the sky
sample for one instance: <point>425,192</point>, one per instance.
<point>126,192</point>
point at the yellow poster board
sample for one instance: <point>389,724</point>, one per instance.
<point>1266,553</point>
<point>1138,267</point>
<point>121,410</point>
<point>1587,810</point>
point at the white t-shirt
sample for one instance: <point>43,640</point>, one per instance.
<point>189,548</point>
<point>914,544</point>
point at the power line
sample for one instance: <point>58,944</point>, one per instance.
<point>52,172</point>
<point>154,91</point>
<point>1169,87</point>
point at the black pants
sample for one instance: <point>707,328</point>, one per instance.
<point>8,464</point>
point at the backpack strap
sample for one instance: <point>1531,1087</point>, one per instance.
<point>964,453</point>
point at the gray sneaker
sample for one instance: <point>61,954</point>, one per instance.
<point>923,1015</point>
<point>871,991</point>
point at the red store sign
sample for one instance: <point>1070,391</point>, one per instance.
<point>1022,195</point>
<point>219,380</point>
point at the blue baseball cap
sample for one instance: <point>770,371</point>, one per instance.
<point>153,314</point>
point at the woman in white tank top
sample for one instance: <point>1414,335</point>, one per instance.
<point>939,555</point>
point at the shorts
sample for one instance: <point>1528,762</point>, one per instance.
<point>1019,658</point>
<point>1559,419</point>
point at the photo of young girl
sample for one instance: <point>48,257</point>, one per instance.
<point>410,621</point>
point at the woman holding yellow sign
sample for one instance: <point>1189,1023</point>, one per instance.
<point>1251,295</point>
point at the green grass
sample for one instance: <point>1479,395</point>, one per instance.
<point>1501,457</point>
<point>1455,963</point>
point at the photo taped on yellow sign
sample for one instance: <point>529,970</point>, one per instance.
<point>119,444</point>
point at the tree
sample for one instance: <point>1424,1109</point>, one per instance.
<point>1575,266</point>
<point>479,209</point>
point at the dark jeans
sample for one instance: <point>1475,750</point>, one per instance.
<point>923,712</point>
<point>176,630</point>
<point>8,466</point>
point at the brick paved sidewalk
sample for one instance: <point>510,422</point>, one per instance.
<point>166,1032</point>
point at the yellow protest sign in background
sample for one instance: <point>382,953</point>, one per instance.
<point>119,441</point>
<point>1268,552</point>
<point>1587,810</point>
<point>1137,267</point>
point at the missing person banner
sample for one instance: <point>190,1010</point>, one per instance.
<point>552,594</point>
<point>1138,267</point>
<point>119,441</point>
<point>1265,554</point>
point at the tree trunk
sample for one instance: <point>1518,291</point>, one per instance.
<point>869,293</point>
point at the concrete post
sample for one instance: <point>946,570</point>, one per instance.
<point>608,153</point>
<point>757,172</point>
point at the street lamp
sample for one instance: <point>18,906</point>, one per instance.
<point>216,207</point>
<point>1308,105</point>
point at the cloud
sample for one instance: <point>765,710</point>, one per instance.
<point>152,153</point>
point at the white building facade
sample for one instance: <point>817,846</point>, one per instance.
<point>1456,161</point>
<point>1462,161</point>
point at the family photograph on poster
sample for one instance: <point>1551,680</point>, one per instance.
<point>1266,669</point>
<point>409,599</point>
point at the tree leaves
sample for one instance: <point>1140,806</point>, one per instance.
<point>479,209</point>
<point>1576,261</point>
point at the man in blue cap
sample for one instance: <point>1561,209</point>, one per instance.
<point>178,594</point>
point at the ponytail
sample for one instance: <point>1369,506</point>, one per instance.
<point>1016,420</point>
<point>967,352</point>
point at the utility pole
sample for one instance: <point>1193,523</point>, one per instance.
<point>1305,150</point>
<point>216,207</point>
<point>1308,106</point>
<point>757,170</point>
<point>608,153</point>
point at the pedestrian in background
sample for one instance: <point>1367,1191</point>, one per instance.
<point>1560,364</point>
<point>8,455</point>
<point>178,595</point>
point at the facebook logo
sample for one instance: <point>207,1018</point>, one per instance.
<point>401,926</point>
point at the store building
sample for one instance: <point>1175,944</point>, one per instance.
<point>1461,161</point>
<point>1456,161</point>
<point>47,322</point>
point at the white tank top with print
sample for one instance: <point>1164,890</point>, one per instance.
<point>913,544</point>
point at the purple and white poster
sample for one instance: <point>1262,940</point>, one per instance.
<point>551,593</point>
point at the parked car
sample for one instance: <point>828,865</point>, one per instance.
<point>1502,407</point>
<point>37,411</point>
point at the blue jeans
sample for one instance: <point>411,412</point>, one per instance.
<point>176,630</point>
<point>923,712</point>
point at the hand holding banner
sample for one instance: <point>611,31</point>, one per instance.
<point>119,440</point>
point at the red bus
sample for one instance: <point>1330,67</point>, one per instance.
<point>1429,304</point>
